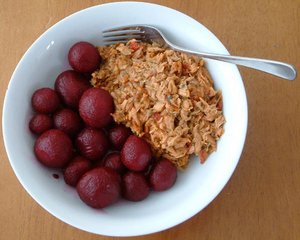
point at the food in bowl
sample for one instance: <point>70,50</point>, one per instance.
<point>76,133</point>
<point>166,97</point>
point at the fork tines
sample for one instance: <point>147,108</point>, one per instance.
<point>122,35</point>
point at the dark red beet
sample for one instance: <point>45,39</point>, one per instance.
<point>70,85</point>
<point>84,57</point>
<point>163,175</point>
<point>113,161</point>
<point>45,100</point>
<point>68,121</point>
<point>135,186</point>
<point>118,136</point>
<point>99,187</point>
<point>136,154</point>
<point>95,107</point>
<point>53,148</point>
<point>92,143</point>
<point>40,123</point>
<point>75,169</point>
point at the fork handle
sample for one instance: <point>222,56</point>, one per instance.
<point>280,69</point>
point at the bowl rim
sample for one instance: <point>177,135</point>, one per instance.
<point>16,171</point>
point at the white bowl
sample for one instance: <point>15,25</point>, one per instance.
<point>195,188</point>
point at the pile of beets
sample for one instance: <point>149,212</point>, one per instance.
<point>76,133</point>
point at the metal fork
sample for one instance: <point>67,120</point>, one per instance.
<point>150,34</point>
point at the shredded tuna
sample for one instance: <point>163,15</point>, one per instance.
<point>164,96</point>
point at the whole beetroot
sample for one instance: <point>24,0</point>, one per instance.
<point>163,175</point>
<point>135,186</point>
<point>68,121</point>
<point>40,123</point>
<point>92,143</point>
<point>53,148</point>
<point>95,107</point>
<point>70,85</point>
<point>113,161</point>
<point>136,153</point>
<point>118,136</point>
<point>75,169</point>
<point>99,187</point>
<point>84,57</point>
<point>45,100</point>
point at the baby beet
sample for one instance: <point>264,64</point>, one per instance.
<point>68,121</point>
<point>135,186</point>
<point>136,153</point>
<point>40,123</point>
<point>118,136</point>
<point>99,187</point>
<point>45,100</point>
<point>163,175</point>
<point>75,169</point>
<point>53,148</point>
<point>95,107</point>
<point>84,57</point>
<point>70,85</point>
<point>92,143</point>
<point>113,161</point>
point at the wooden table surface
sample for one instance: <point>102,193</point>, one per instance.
<point>262,199</point>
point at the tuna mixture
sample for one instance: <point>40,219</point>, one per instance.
<point>166,97</point>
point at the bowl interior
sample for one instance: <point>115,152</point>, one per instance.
<point>195,187</point>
